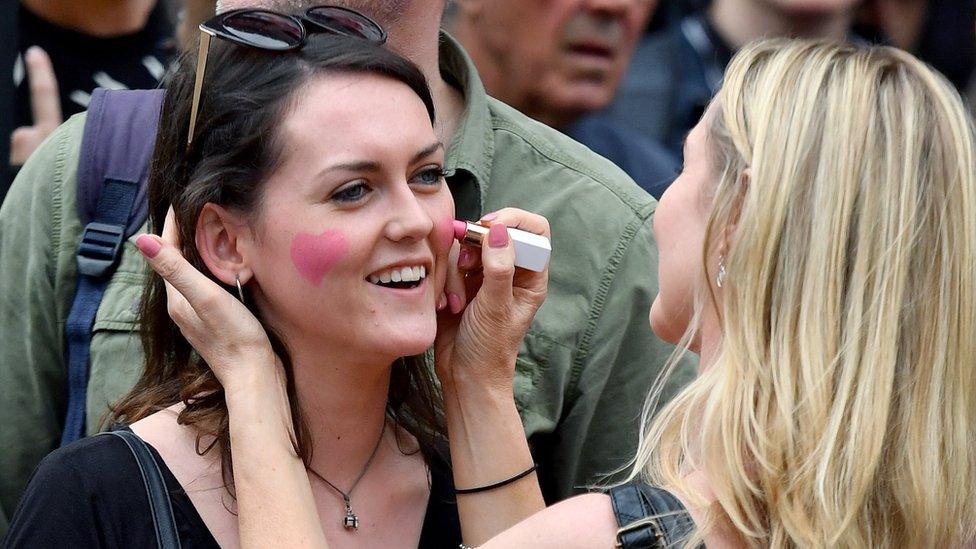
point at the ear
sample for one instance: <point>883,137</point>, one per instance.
<point>745,179</point>
<point>219,237</point>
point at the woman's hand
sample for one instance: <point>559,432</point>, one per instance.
<point>477,344</point>
<point>218,326</point>
<point>274,502</point>
<point>475,356</point>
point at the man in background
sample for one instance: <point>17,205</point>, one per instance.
<point>559,61</point>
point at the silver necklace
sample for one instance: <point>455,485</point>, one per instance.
<point>351,521</point>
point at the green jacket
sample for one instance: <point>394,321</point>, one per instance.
<point>584,368</point>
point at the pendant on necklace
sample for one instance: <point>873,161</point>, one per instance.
<point>351,521</point>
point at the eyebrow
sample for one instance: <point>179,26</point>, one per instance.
<point>429,150</point>
<point>372,166</point>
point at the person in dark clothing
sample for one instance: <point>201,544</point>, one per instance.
<point>8,53</point>
<point>939,32</point>
<point>101,469</point>
<point>677,70</point>
<point>68,48</point>
<point>560,61</point>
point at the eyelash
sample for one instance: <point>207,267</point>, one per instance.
<point>356,192</point>
<point>436,171</point>
<point>345,194</point>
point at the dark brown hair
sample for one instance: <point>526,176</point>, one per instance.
<point>246,94</point>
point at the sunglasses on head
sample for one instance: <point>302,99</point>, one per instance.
<point>273,31</point>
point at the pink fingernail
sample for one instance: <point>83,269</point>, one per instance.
<point>455,302</point>
<point>498,236</point>
<point>148,245</point>
<point>489,216</point>
<point>464,256</point>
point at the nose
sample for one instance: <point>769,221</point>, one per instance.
<point>409,219</point>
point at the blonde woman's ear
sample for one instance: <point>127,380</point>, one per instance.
<point>744,183</point>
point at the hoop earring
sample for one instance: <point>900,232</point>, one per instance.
<point>720,278</point>
<point>240,290</point>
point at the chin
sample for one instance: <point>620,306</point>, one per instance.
<point>587,98</point>
<point>663,323</point>
<point>407,339</point>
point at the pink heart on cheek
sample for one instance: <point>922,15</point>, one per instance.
<point>315,255</point>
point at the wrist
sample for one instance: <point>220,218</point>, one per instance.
<point>492,382</point>
<point>256,385</point>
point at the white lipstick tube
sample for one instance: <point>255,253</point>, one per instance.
<point>532,251</point>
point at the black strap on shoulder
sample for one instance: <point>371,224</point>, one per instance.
<point>649,517</point>
<point>167,536</point>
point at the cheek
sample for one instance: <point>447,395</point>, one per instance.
<point>441,241</point>
<point>443,236</point>
<point>314,255</point>
<point>671,311</point>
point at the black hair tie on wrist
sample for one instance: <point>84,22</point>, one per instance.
<point>523,474</point>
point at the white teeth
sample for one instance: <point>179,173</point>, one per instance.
<point>409,274</point>
<point>400,274</point>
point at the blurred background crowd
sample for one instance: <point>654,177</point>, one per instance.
<point>628,78</point>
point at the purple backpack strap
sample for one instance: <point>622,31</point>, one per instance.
<point>120,133</point>
<point>119,137</point>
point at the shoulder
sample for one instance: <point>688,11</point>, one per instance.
<point>89,493</point>
<point>649,163</point>
<point>97,471</point>
<point>543,155</point>
<point>92,464</point>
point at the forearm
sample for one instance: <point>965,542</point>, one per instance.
<point>274,497</point>
<point>488,445</point>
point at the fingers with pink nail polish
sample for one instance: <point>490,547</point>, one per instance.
<point>149,245</point>
<point>498,235</point>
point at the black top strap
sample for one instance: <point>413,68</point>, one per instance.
<point>160,506</point>
<point>649,517</point>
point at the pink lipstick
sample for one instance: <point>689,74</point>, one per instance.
<point>532,251</point>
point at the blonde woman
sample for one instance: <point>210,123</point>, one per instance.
<point>819,253</point>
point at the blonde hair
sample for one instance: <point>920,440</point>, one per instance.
<point>841,408</point>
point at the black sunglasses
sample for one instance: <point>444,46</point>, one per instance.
<point>269,30</point>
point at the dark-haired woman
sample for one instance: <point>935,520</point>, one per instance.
<point>312,190</point>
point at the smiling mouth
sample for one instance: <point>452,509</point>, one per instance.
<point>400,278</point>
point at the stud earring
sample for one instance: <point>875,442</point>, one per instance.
<point>240,290</point>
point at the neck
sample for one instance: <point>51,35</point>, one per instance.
<point>739,22</point>
<point>343,401</point>
<point>98,18</point>
<point>415,35</point>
